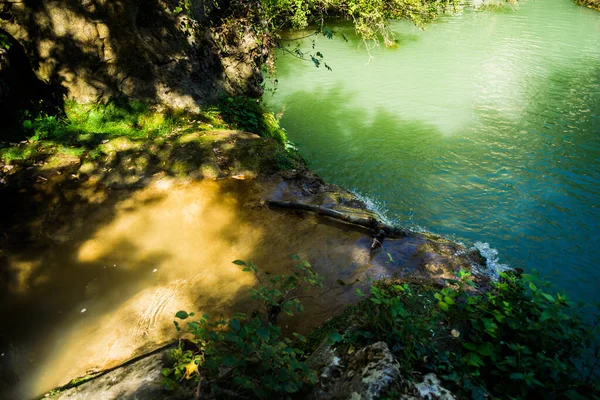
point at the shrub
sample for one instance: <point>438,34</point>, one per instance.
<point>249,115</point>
<point>247,356</point>
<point>513,341</point>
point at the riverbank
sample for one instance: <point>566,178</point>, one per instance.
<point>140,225</point>
<point>121,217</point>
<point>593,4</point>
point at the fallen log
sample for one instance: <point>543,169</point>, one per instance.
<point>379,228</point>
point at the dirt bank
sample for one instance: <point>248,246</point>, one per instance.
<point>98,253</point>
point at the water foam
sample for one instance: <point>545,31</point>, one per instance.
<point>494,266</point>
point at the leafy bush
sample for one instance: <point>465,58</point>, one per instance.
<point>247,356</point>
<point>370,17</point>
<point>521,341</point>
<point>45,127</point>
<point>513,341</point>
<point>249,115</point>
<point>4,41</point>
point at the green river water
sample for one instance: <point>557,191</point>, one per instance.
<point>484,127</point>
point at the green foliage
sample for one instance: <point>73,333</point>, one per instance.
<point>513,341</point>
<point>400,318</point>
<point>16,153</point>
<point>116,118</point>
<point>371,17</point>
<point>119,118</point>
<point>247,356</point>
<point>518,331</point>
<point>249,115</point>
<point>4,41</point>
<point>279,293</point>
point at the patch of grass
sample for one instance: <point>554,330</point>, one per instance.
<point>90,123</point>
<point>92,131</point>
<point>132,119</point>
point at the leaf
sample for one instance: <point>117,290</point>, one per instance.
<point>448,300</point>
<point>490,326</point>
<point>182,314</point>
<point>532,286</point>
<point>469,346</point>
<point>291,387</point>
<point>235,325</point>
<point>191,368</point>
<point>262,333</point>
<point>334,337</point>
<point>486,349</point>
<point>443,306</point>
<point>517,376</point>
<point>238,380</point>
<point>546,315</point>
<point>474,360</point>
<point>229,360</point>
<point>549,297</point>
<point>239,262</point>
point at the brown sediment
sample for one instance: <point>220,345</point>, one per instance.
<point>98,255</point>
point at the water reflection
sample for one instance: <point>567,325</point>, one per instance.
<point>521,171</point>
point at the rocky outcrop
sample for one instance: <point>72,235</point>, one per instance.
<point>140,379</point>
<point>370,373</point>
<point>20,88</point>
<point>430,388</point>
<point>98,49</point>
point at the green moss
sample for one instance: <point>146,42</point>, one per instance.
<point>71,151</point>
<point>17,153</point>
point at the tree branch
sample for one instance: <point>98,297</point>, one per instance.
<point>373,224</point>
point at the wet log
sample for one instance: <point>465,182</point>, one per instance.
<point>379,228</point>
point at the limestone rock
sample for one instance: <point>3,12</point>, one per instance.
<point>369,374</point>
<point>96,50</point>
<point>140,379</point>
<point>429,389</point>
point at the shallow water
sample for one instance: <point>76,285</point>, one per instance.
<point>484,127</point>
<point>116,266</point>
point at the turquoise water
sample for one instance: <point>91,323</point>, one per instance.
<point>483,127</point>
